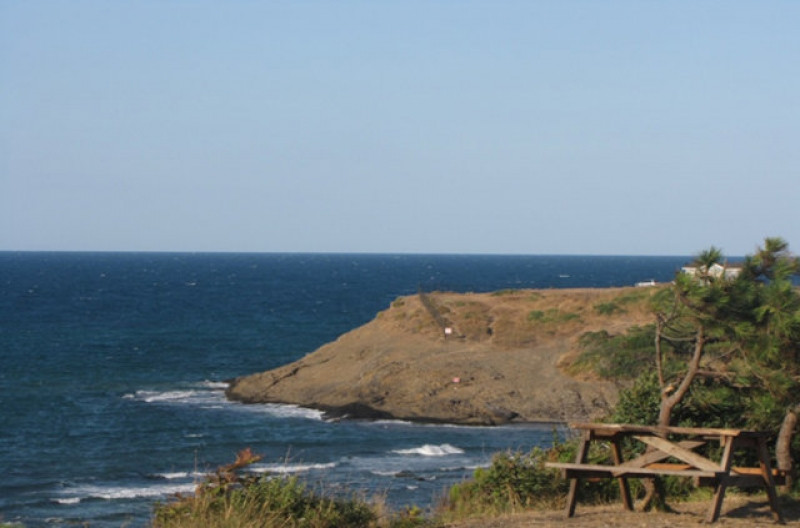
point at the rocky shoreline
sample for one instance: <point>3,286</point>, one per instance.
<point>474,359</point>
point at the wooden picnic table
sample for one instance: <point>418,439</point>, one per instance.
<point>676,446</point>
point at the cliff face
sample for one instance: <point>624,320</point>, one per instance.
<point>460,358</point>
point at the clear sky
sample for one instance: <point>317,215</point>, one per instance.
<point>525,127</point>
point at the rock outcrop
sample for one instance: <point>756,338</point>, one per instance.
<point>460,358</point>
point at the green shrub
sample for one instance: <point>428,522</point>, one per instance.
<point>708,403</point>
<point>608,308</point>
<point>228,499</point>
<point>640,403</point>
<point>512,481</point>
<point>413,517</point>
<point>552,315</point>
<point>516,481</point>
<point>622,357</point>
<point>535,315</point>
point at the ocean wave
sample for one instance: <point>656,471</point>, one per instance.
<point>199,393</point>
<point>74,496</point>
<point>174,475</point>
<point>390,422</point>
<point>209,395</point>
<point>385,473</point>
<point>468,467</point>
<point>68,500</point>
<point>215,385</point>
<point>285,410</point>
<point>290,468</point>
<point>431,450</point>
<point>164,396</point>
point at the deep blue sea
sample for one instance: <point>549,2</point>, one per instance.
<point>113,366</point>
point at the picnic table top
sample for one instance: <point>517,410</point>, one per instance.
<point>611,429</point>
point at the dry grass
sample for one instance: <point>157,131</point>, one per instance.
<point>739,511</point>
<point>521,318</point>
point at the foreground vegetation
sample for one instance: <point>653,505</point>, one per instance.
<point>721,352</point>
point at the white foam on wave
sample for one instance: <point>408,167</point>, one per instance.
<point>216,385</point>
<point>173,475</point>
<point>204,393</point>
<point>424,425</point>
<point>282,410</point>
<point>166,396</point>
<point>386,422</point>
<point>290,468</point>
<point>384,473</point>
<point>180,475</point>
<point>122,492</point>
<point>68,500</point>
<point>431,450</point>
<point>210,395</point>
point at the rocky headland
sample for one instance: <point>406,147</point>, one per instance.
<point>488,358</point>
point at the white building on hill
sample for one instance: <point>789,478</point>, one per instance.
<point>726,271</point>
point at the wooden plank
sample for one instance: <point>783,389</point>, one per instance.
<point>580,457</point>
<point>657,430</point>
<point>657,456</point>
<point>666,469</point>
<point>575,465</point>
<point>663,466</point>
<point>674,450</point>
<point>721,484</point>
<point>617,471</point>
<point>766,472</point>
<point>776,473</point>
<point>624,490</point>
<point>647,472</point>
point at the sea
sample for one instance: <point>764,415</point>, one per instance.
<point>113,368</point>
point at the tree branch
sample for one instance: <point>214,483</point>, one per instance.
<point>668,402</point>
<point>659,366</point>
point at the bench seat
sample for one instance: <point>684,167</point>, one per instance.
<point>573,470</point>
<point>738,476</point>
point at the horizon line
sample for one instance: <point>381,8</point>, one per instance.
<point>340,253</point>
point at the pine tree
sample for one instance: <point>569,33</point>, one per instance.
<point>742,326</point>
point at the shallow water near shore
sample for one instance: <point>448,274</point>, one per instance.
<point>114,366</point>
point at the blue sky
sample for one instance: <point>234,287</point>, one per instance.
<point>551,127</point>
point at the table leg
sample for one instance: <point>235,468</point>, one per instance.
<point>580,458</point>
<point>769,482</point>
<point>624,489</point>
<point>721,484</point>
